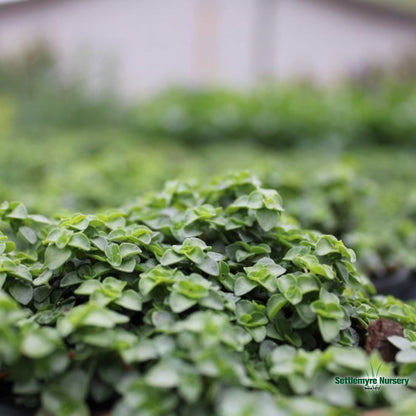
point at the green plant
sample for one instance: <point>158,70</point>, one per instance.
<point>279,116</point>
<point>283,116</point>
<point>41,98</point>
<point>195,299</point>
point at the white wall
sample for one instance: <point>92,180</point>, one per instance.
<point>326,40</point>
<point>153,43</point>
<point>149,43</point>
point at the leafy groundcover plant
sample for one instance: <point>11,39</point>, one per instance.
<point>193,301</point>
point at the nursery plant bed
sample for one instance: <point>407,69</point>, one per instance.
<point>195,300</point>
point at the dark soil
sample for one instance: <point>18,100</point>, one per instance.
<point>378,332</point>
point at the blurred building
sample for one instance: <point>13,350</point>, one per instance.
<point>146,45</point>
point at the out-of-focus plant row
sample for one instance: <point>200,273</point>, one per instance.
<point>377,109</point>
<point>286,116</point>
<point>63,149</point>
<point>368,199</point>
<point>277,116</point>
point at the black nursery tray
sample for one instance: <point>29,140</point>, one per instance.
<point>7,410</point>
<point>400,284</point>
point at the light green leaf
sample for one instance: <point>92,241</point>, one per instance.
<point>56,257</point>
<point>40,342</point>
<point>28,234</point>
<point>329,328</point>
<point>163,375</point>
<point>19,212</point>
<point>274,304</point>
<point>209,266</point>
<point>180,303</point>
<point>80,241</point>
<point>128,249</point>
<point>43,278</point>
<point>267,219</point>
<point>88,287</point>
<point>22,292</point>
<point>243,285</point>
<point>406,356</point>
<point>170,257</point>
<point>130,300</point>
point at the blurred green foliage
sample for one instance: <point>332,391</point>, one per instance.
<point>34,97</point>
<point>366,197</point>
<point>286,116</point>
<point>167,305</point>
<point>373,108</point>
<point>64,148</point>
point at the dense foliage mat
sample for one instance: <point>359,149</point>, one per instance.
<point>196,300</point>
<point>100,150</point>
<point>285,115</point>
<point>366,197</point>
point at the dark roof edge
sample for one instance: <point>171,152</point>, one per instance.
<point>380,10</point>
<point>23,4</point>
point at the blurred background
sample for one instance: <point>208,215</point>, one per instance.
<point>102,100</point>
